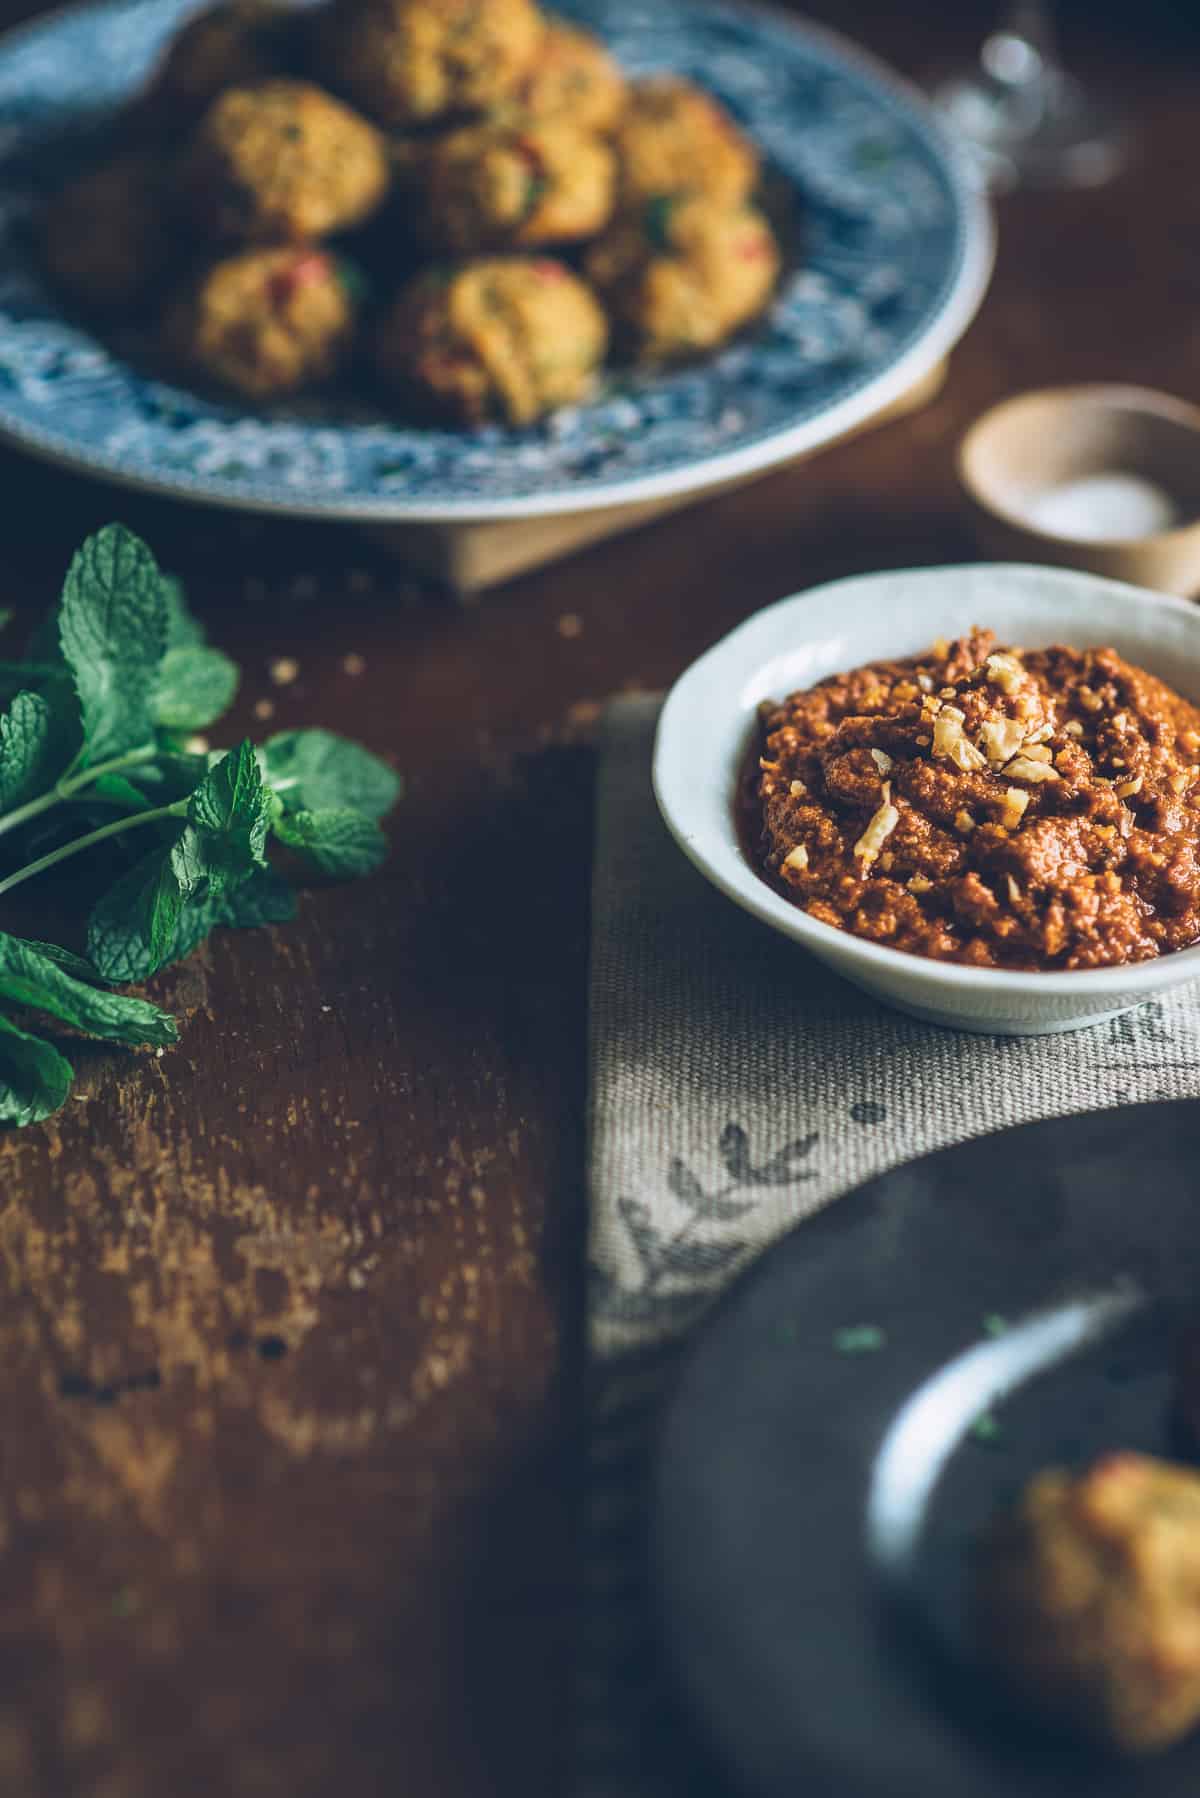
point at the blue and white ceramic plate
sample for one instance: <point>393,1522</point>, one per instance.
<point>896,254</point>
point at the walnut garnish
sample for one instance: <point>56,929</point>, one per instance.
<point>797,789</point>
<point>1088,699</point>
<point>1022,768</point>
<point>1006,671</point>
<point>950,740</point>
<point>1014,891</point>
<point>1128,788</point>
<point>920,884</point>
<point>963,821</point>
<point>1015,804</point>
<point>1073,728</point>
<point>879,829</point>
<point>882,760</point>
<point>1000,739</point>
<point>796,858</point>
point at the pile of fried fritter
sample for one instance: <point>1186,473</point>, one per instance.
<point>465,199</point>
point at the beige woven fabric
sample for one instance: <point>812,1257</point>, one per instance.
<point>737,1087</point>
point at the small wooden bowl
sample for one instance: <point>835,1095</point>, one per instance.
<point>1047,442</point>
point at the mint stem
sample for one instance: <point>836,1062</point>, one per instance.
<point>178,810</point>
<point>66,789</point>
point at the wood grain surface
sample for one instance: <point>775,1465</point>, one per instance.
<point>290,1315</point>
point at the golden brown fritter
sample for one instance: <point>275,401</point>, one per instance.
<point>265,322</point>
<point>1087,1601</point>
<point>674,139</point>
<point>680,276</point>
<point>236,44</point>
<point>406,62</point>
<point>572,77</point>
<point>107,237</point>
<point>283,162</point>
<point>503,338</point>
<point>495,186</point>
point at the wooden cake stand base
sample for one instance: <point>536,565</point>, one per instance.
<point>471,557</point>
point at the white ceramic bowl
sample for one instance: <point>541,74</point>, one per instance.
<point>705,731</point>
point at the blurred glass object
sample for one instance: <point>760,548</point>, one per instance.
<point>1027,122</point>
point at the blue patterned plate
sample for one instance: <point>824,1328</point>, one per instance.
<point>896,253</point>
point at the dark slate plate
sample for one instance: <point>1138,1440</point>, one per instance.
<point>813,1509</point>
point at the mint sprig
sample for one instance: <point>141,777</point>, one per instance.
<point>90,751</point>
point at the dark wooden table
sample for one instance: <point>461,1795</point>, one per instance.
<point>290,1327</point>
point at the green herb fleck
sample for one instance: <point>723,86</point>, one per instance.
<point>994,1324</point>
<point>859,1339</point>
<point>656,220</point>
<point>986,1427</point>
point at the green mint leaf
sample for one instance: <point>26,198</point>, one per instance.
<point>34,1078</point>
<point>118,791</point>
<point>339,840</point>
<point>314,770</point>
<point>195,686</point>
<point>163,898</point>
<point>29,978</point>
<point>169,777</point>
<point>118,933</point>
<point>113,628</point>
<point>184,630</point>
<point>229,815</point>
<point>78,965</point>
<point>33,750</point>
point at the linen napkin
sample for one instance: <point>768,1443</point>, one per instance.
<point>737,1087</point>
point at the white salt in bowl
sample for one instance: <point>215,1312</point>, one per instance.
<point>1104,478</point>
<point>710,717</point>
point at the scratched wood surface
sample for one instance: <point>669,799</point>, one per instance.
<point>290,1315</point>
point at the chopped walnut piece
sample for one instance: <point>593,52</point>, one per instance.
<point>797,789</point>
<point>950,740</point>
<point>882,760</point>
<point>919,883</point>
<point>1006,671</point>
<point>904,690</point>
<point>1128,788</point>
<point>1073,728</point>
<point>925,682</point>
<point>1038,752</point>
<point>878,830</point>
<point>1000,739</point>
<point>1088,699</point>
<point>796,858</point>
<point>946,692</point>
<point>1021,768</point>
<point>1181,780</point>
<point>1015,804</point>
<point>1014,891</point>
<point>963,821</point>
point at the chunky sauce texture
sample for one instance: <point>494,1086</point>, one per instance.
<point>999,807</point>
